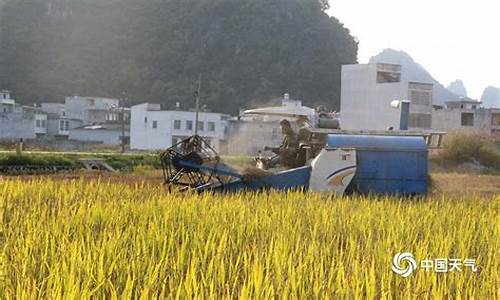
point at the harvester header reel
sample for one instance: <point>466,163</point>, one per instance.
<point>193,164</point>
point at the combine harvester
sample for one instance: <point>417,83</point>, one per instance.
<point>382,163</point>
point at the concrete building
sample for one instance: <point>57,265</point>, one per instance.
<point>88,120</point>
<point>91,110</point>
<point>17,121</point>
<point>466,115</point>
<point>58,124</point>
<point>368,90</point>
<point>154,129</point>
<point>105,134</point>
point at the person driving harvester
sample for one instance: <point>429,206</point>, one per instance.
<point>289,145</point>
<point>286,153</point>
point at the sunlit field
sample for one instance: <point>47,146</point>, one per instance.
<point>76,239</point>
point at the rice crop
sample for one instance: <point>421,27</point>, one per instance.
<point>82,240</point>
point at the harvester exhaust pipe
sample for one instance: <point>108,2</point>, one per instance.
<point>405,115</point>
<point>404,107</point>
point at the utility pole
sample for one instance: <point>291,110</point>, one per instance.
<point>124,95</point>
<point>197,115</point>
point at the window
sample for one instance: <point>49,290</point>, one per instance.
<point>201,126</point>
<point>495,119</point>
<point>155,124</point>
<point>44,124</point>
<point>420,121</point>
<point>388,77</point>
<point>63,125</point>
<point>145,119</point>
<point>420,93</point>
<point>467,119</point>
<point>38,123</point>
<point>177,124</point>
<point>189,125</point>
<point>211,126</point>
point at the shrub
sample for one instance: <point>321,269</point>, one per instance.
<point>470,147</point>
<point>35,160</point>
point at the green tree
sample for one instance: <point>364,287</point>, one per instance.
<point>249,51</point>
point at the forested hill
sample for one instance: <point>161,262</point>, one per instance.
<point>249,51</point>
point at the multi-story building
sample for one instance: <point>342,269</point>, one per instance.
<point>466,115</point>
<point>155,129</point>
<point>91,110</point>
<point>17,121</point>
<point>89,119</point>
<point>368,90</point>
<point>58,123</point>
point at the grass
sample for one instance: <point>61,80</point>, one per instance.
<point>98,240</point>
<point>35,160</point>
<point>469,147</point>
<point>117,161</point>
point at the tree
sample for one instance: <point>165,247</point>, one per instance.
<point>249,51</point>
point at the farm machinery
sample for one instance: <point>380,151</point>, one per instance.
<point>330,160</point>
<point>366,163</point>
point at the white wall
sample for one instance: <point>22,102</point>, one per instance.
<point>104,136</point>
<point>14,126</point>
<point>53,108</point>
<point>144,137</point>
<point>78,107</point>
<point>450,120</point>
<point>366,104</point>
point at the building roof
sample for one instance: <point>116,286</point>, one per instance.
<point>464,100</point>
<point>106,126</point>
<point>289,108</point>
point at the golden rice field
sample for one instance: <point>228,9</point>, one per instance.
<point>81,240</point>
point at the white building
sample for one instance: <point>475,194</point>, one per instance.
<point>88,119</point>
<point>91,110</point>
<point>466,115</point>
<point>367,91</point>
<point>257,128</point>
<point>105,134</point>
<point>17,121</point>
<point>154,129</point>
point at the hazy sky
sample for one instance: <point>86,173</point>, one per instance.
<point>452,39</point>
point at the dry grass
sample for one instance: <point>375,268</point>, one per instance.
<point>456,184</point>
